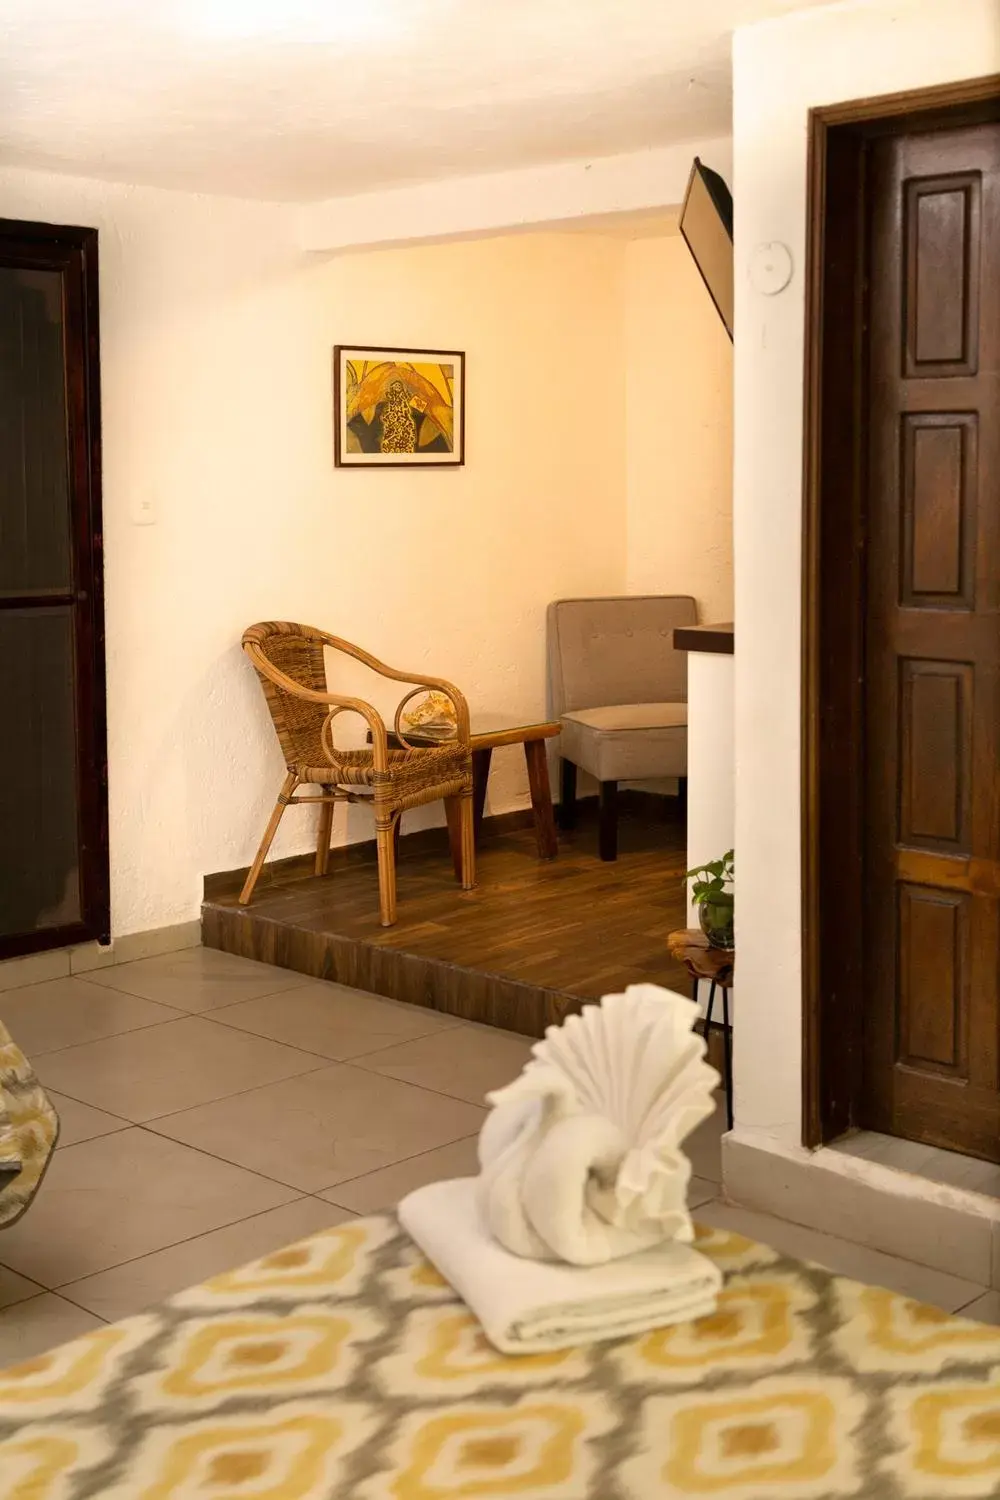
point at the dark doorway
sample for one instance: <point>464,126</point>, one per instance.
<point>53,742</point>
<point>902,688</point>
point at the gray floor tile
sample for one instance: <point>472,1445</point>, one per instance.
<point>335,1021</point>
<point>844,1257</point>
<point>381,1190</point>
<point>34,1327</point>
<point>198,979</point>
<point>700,1191</point>
<point>67,1012</point>
<point>985,1309</point>
<point>152,1278</point>
<point>704,1145</point>
<point>465,1062</point>
<point>325,1127</point>
<point>109,1200</point>
<point>15,1288</point>
<point>81,1122</point>
<point>165,1068</point>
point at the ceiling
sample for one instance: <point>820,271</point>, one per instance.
<point>307,99</point>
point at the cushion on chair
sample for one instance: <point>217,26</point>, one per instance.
<point>605,650</point>
<point>627,741</point>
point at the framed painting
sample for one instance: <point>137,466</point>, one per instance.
<point>398,408</point>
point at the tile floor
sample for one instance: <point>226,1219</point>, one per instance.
<point>214,1109</point>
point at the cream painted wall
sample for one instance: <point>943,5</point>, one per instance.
<point>216,365</point>
<point>781,69</point>
<point>679,411</point>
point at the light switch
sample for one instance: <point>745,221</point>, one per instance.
<point>143,509</point>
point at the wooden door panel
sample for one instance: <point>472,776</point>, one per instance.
<point>932,631</point>
<point>935,743</point>
<point>938,504</point>
<point>941,233</point>
<point>933,980</point>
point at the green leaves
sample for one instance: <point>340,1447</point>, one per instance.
<point>713,882</point>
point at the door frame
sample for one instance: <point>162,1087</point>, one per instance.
<point>67,247</point>
<point>834,498</point>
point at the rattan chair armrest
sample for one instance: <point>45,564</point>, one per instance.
<point>462,725</point>
<point>418,678</point>
<point>336,701</point>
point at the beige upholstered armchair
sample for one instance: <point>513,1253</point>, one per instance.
<point>290,663</point>
<point>619,691</point>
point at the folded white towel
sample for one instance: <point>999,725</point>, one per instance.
<point>526,1306</point>
<point>581,1155</point>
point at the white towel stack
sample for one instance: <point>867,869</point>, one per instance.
<point>581,1163</point>
<point>528,1306</point>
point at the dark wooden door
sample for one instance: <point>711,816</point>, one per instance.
<point>53,774</point>
<point>932,632</point>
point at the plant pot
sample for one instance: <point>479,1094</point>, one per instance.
<point>716,919</point>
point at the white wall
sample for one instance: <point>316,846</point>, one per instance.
<point>217,332</point>
<point>782,69</point>
<point>526,198</point>
<point>679,430</point>
<point>216,366</point>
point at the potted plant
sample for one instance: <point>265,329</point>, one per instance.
<point>712,893</point>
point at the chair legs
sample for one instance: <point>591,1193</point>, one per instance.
<point>608,829</point>
<point>461,814</point>
<point>460,821</point>
<point>386,845</point>
<point>323,833</point>
<point>467,827</point>
<point>567,794</point>
<point>287,787</point>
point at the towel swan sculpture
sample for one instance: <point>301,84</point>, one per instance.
<point>581,1156</point>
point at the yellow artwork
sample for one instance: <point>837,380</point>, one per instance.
<point>399,407</point>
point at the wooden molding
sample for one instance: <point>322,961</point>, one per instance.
<point>832,952</point>
<point>718,639</point>
<point>912,103</point>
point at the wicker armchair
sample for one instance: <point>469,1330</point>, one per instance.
<point>289,661</point>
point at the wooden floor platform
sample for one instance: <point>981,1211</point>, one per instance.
<point>524,949</point>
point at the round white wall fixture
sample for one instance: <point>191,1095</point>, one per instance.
<point>770,268</point>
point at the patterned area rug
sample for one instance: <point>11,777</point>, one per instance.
<point>344,1367</point>
<point>29,1127</point>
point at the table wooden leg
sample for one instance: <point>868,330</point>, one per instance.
<point>727,1037</point>
<point>541,798</point>
<point>480,776</point>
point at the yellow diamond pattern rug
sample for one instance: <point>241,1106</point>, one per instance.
<point>344,1368</point>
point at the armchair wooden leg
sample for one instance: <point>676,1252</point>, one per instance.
<point>323,833</point>
<point>467,825</point>
<point>287,787</point>
<point>386,872</point>
<point>461,814</point>
<point>608,831</point>
<point>567,794</point>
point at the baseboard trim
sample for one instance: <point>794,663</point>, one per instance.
<point>84,958</point>
<point>420,841</point>
<point>363,851</point>
<point>948,1228</point>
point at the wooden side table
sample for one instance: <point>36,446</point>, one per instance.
<point>489,733</point>
<point>690,946</point>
